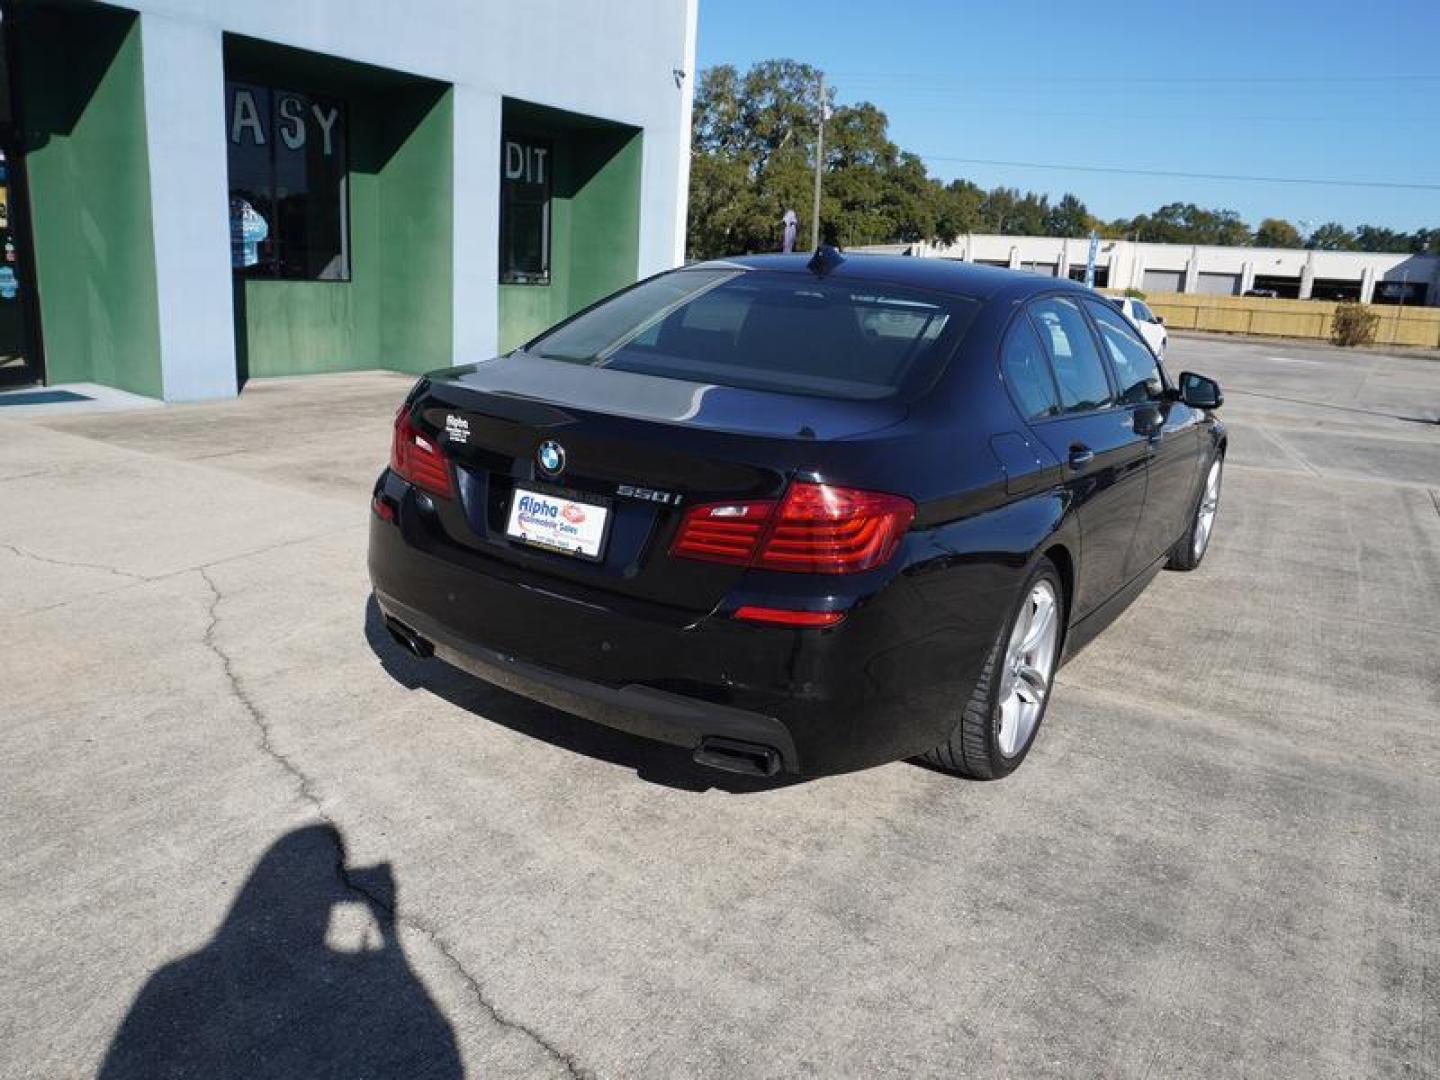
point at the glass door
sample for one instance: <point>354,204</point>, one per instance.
<point>16,365</point>
<point>20,362</point>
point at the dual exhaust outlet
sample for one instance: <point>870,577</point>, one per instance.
<point>408,639</point>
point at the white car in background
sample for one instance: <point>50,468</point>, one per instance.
<point>1150,325</point>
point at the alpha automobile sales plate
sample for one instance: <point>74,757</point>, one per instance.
<point>558,521</point>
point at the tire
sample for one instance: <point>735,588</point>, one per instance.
<point>976,747</point>
<point>1189,550</point>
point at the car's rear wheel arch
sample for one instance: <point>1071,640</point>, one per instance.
<point>977,745</point>
<point>1059,554</point>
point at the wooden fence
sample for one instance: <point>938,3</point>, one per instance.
<point>1289,318</point>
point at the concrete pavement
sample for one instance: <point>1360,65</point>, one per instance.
<point>1219,860</point>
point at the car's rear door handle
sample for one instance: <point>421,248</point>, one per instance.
<point>1080,455</point>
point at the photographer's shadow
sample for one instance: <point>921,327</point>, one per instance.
<point>305,978</point>
<point>656,762</point>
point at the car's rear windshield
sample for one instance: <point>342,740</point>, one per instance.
<point>762,330</point>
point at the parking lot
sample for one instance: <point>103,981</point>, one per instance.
<point>219,779</point>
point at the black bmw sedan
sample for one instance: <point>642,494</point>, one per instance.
<point>795,514</point>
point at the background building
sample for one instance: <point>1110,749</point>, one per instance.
<point>1288,273</point>
<point>202,191</point>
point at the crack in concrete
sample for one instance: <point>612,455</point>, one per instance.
<point>257,716</point>
<point>131,575</point>
<point>25,613</point>
<point>306,789</point>
<point>267,548</point>
<point>27,475</point>
<point>23,554</point>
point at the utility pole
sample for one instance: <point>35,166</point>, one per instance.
<point>819,164</point>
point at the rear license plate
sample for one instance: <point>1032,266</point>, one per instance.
<point>558,520</point>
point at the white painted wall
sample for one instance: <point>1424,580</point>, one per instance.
<point>189,206</point>
<point>614,59</point>
<point>1128,260</point>
<point>476,251</point>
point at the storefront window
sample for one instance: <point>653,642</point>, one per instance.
<point>289,217</point>
<point>525,168</point>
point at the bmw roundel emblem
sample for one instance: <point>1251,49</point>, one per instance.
<point>551,457</point>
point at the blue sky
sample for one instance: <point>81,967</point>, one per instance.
<point>1332,91</point>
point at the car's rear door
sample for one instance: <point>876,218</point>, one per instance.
<point>1104,457</point>
<point>1173,436</point>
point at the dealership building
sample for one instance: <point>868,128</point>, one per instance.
<point>1287,273</point>
<point>199,192</point>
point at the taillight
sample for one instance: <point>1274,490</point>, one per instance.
<point>815,529</point>
<point>416,458</point>
<point>821,529</point>
<point>722,532</point>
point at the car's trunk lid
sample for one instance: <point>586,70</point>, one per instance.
<point>647,447</point>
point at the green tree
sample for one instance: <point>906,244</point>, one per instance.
<point>1069,217</point>
<point>960,204</point>
<point>1005,210</point>
<point>1186,223</point>
<point>752,150</point>
<point>753,156</point>
<point>1119,229</point>
<point>1425,242</point>
<point>1375,238</point>
<point>1332,236</point>
<point>1031,214</point>
<point>1277,233</point>
<point>997,210</point>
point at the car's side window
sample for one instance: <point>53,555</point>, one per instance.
<point>1027,372</point>
<point>1134,363</point>
<point>1079,371</point>
<point>1142,313</point>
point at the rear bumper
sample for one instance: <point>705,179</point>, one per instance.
<point>640,710</point>
<point>882,685</point>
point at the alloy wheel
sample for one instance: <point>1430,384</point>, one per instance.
<point>1205,515</point>
<point>1029,667</point>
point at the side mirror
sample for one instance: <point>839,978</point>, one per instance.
<point>1199,392</point>
<point>1160,319</point>
<point>1149,420</point>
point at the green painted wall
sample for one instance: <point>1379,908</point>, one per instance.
<point>90,191</point>
<point>416,239</point>
<point>82,95</point>
<point>308,327</point>
<point>396,309</point>
<point>594,220</point>
<point>605,228</point>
